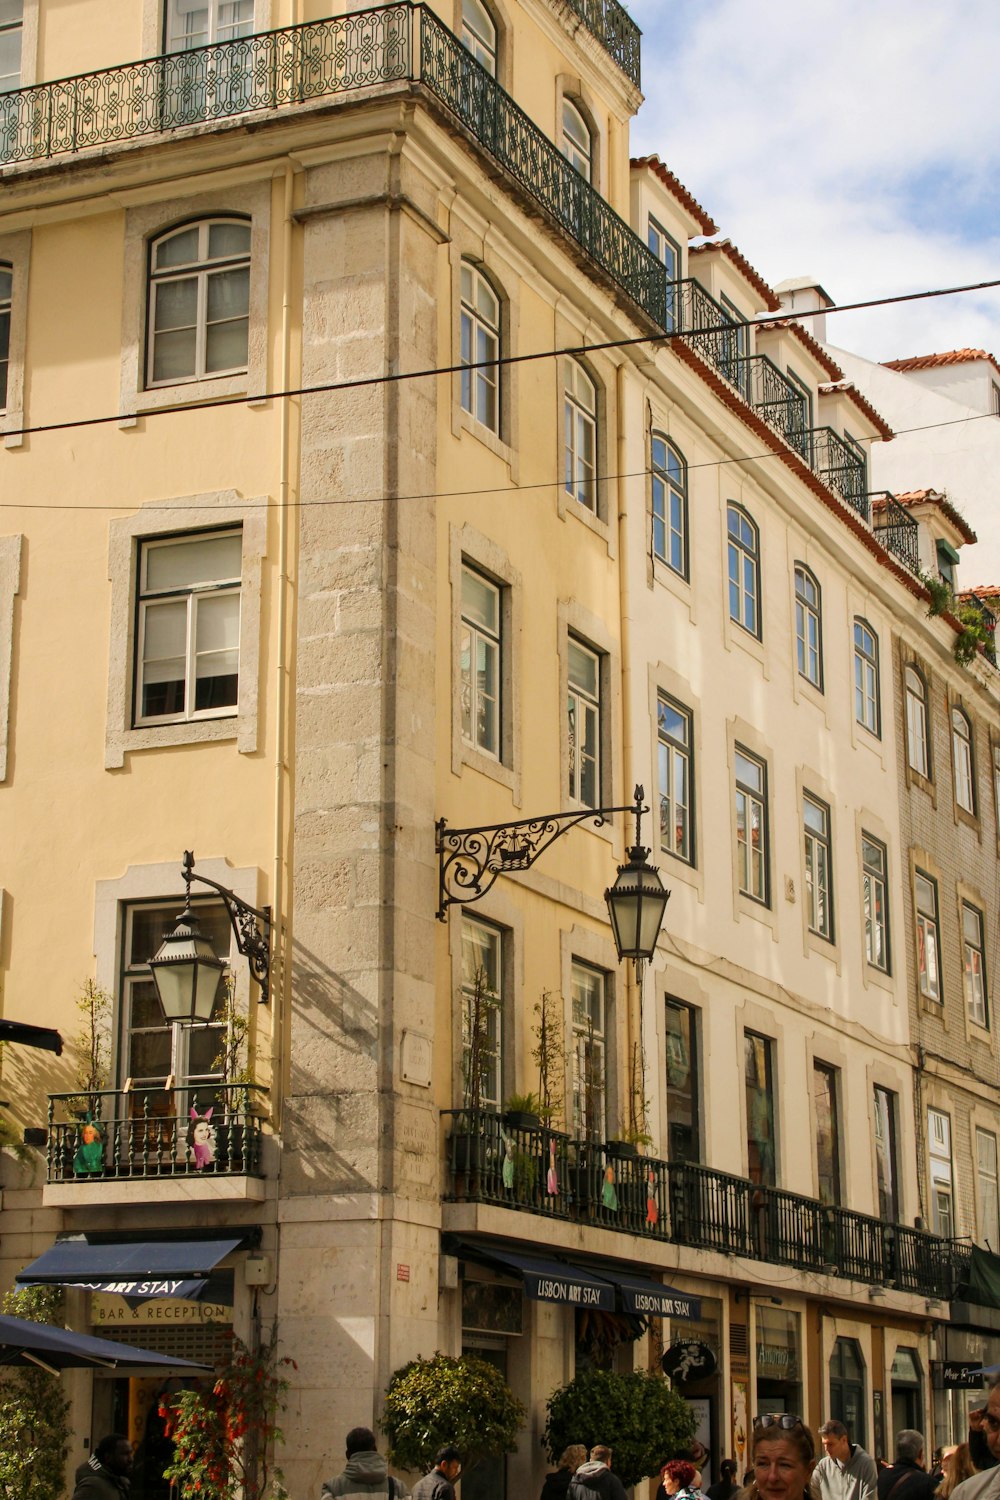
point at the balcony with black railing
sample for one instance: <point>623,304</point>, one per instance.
<point>614,28</point>
<point>841,468</point>
<point>536,1170</point>
<point>896,529</point>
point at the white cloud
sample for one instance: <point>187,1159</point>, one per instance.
<point>855,141</point>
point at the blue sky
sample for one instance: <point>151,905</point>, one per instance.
<point>855,141</point>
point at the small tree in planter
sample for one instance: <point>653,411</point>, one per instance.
<point>232,1063</point>
<point>93,1048</point>
<point>34,1412</point>
<point>549,1056</point>
<point>465,1401</point>
<point>647,1420</point>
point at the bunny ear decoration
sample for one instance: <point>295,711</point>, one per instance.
<point>208,1113</point>
<point>194,1114</point>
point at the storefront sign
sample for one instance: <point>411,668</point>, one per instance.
<point>957,1375</point>
<point>112,1311</point>
<point>689,1360</point>
<point>549,1287</point>
<point>144,1287</point>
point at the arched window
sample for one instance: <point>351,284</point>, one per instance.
<point>808,626</point>
<point>917,742</point>
<point>199,301</point>
<point>480,342</point>
<point>580,434</point>
<point>6,292</point>
<point>577,141</point>
<point>744,570</point>
<point>669,487</point>
<point>479,34</point>
<point>866,689</point>
<point>962,757</point>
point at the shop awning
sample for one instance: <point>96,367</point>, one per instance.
<point>981,1283</point>
<point>140,1269</point>
<point>645,1298</point>
<point>31,1036</point>
<point>546,1280</point>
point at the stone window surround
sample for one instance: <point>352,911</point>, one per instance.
<point>159,882</point>
<point>740,734</point>
<point>663,679</point>
<point>161,518</point>
<point>496,909</point>
<point>828,1051</point>
<point>688,990</point>
<point>15,252</point>
<point>968,895</point>
<point>869,824</point>
<point>592,632</point>
<point>478,250</point>
<point>154,11</point>
<point>980,1119</point>
<point>572,87</point>
<point>470,547</point>
<point>29,43</point>
<point>896,1086</point>
<point>147,222</point>
<point>660,564</point>
<point>810,784</point>
<point>956,704</point>
<point>500,17</point>
<point>584,946</point>
<point>914,777</point>
<point>921,863</point>
<point>596,519</point>
<point>10,584</point>
<point>751,1016</point>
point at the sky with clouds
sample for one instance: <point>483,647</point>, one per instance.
<point>853,141</point>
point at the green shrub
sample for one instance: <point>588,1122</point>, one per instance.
<point>640,1418</point>
<point>467,1402</point>
<point>34,1413</point>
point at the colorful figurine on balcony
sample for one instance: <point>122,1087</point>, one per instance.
<point>89,1156</point>
<point>507,1170</point>
<point>652,1208</point>
<point>609,1196</point>
<point>551,1179</point>
<point>201,1138</point>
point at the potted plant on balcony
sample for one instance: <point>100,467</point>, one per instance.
<point>522,1111</point>
<point>92,1045</point>
<point>549,1056</point>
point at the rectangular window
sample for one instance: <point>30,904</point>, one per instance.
<point>683,1122</point>
<point>942,1188</point>
<point>6,291</point>
<point>673,725</point>
<point>482,1014</point>
<point>735,345</point>
<point>885,1155</point>
<point>583,723</point>
<point>480,661</point>
<point>668,251</point>
<point>589,991</point>
<point>751,826</point>
<point>819,890</point>
<point>875,897</point>
<point>11,20</point>
<point>989,1204</point>
<point>759,1087</point>
<point>974,960</point>
<point>827,1133</point>
<point>188,652</point>
<point>866,669</point>
<point>928,937</point>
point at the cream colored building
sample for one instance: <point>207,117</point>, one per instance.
<point>314,537</point>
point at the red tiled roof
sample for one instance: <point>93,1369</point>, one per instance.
<point>769,297</point>
<point>863,404</point>
<point>933,361</point>
<point>805,337</point>
<point>935,497</point>
<point>676,187</point>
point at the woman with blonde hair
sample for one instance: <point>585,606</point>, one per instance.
<point>557,1483</point>
<point>957,1465</point>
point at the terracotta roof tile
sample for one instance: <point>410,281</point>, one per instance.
<point>934,361</point>
<point>769,297</point>
<point>678,190</point>
<point>805,338</point>
<point>863,404</point>
<point>935,497</point>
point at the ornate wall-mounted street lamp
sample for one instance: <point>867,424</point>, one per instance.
<point>187,970</point>
<point>470,859</point>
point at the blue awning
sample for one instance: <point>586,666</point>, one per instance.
<point>646,1298</point>
<point>140,1269</point>
<point>547,1280</point>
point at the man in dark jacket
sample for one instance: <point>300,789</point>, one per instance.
<point>366,1472</point>
<point>907,1479</point>
<point>105,1475</point>
<point>594,1480</point>
<point>439,1484</point>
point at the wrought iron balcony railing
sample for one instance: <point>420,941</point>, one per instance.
<point>541,1171</point>
<point>707,327</point>
<point>841,468</point>
<point>151,1133</point>
<point>896,529</point>
<point>614,29</point>
<point>989,621</point>
<point>778,402</point>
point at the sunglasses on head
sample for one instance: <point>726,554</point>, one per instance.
<point>782,1419</point>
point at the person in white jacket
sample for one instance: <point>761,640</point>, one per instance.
<point>365,1474</point>
<point>846,1472</point>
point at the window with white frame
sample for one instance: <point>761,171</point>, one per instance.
<point>866,694</point>
<point>928,937</point>
<point>6,293</point>
<point>917,741</point>
<point>480,662</point>
<point>808,630</point>
<point>589,1054</point>
<point>479,34</point>
<point>758,1079</point>
<point>963,761</point>
<point>670,505</point>
<point>199,302</point>
<point>974,964</point>
<point>819,877</point>
<point>580,434</point>
<point>482,1013</point>
<point>583,723</point>
<point>577,141</point>
<point>673,727</point>
<point>751,826</point>
<point>200,23</point>
<point>668,252</point>
<point>875,899</point>
<point>188,635</point>
<point>11,26</point>
<point>886,1159</point>
<point>480,348</point>
<point>942,1181</point>
<point>735,344</point>
<point>989,1202</point>
<point>744,569</point>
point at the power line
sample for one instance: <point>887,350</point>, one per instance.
<point>396,377</point>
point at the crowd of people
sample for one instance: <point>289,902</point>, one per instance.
<point>784,1465</point>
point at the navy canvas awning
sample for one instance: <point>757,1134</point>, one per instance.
<point>26,1343</point>
<point>645,1298</point>
<point>31,1036</point>
<point>547,1280</point>
<point>140,1269</point>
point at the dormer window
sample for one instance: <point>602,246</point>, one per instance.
<point>577,142</point>
<point>479,34</point>
<point>947,562</point>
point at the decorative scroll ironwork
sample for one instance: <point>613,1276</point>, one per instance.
<point>614,28</point>
<point>777,401</point>
<point>896,529</point>
<point>247,923</point>
<point>719,339</point>
<point>841,468</point>
<point>470,859</point>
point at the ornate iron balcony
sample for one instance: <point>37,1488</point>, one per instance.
<point>152,1133</point>
<point>704,324</point>
<point>778,402</point>
<point>841,468</point>
<point>614,29</point>
<point>896,529</point>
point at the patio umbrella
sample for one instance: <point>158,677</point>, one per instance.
<point>23,1342</point>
